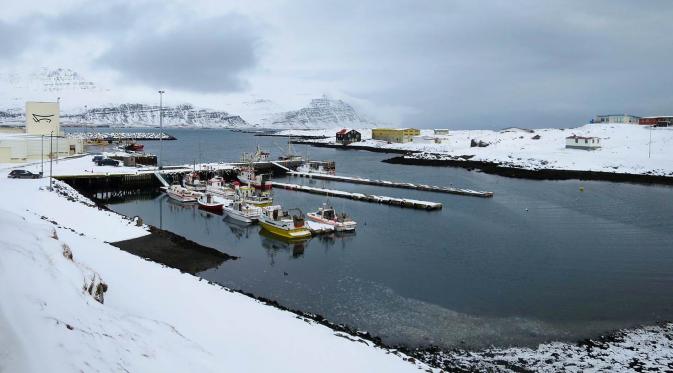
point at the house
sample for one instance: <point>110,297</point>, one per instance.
<point>398,135</point>
<point>582,142</point>
<point>346,136</point>
<point>617,118</point>
<point>660,121</point>
<point>441,131</point>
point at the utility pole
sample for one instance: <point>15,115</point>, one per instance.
<point>161,127</point>
<point>57,148</point>
<point>649,148</point>
<point>51,158</point>
<point>42,155</point>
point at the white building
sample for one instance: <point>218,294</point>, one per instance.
<point>42,137</point>
<point>617,118</point>
<point>582,142</point>
<point>428,139</point>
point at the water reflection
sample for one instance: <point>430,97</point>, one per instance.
<point>274,244</point>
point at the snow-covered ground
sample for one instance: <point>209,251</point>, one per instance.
<point>55,264</point>
<point>625,148</point>
<point>54,260</point>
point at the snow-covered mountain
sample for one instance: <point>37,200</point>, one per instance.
<point>321,113</point>
<point>84,102</point>
<point>140,115</point>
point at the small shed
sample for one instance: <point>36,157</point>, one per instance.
<point>441,131</point>
<point>583,142</point>
<point>346,136</point>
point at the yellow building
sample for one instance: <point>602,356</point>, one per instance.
<point>395,134</point>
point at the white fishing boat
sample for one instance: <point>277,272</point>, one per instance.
<point>241,211</point>
<point>279,222</point>
<point>193,181</point>
<point>318,167</point>
<point>213,203</point>
<point>327,215</point>
<point>218,187</point>
<point>182,194</point>
<point>247,176</point>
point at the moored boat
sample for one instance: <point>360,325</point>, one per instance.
<point>218,187</point>
<point>134,147</point>
<point>252,197</point>
<point>327,215</point>
<point>212,203</point>
<point>241,211</point>
<point>279,222</point>
<point>247,176</point>
<point>182,194</point>
<point>193,181</point>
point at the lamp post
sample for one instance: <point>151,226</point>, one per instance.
<point>51,158</point>
<point>161,127</point>
<point>41,155</point>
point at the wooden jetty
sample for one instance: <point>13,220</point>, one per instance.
<point>402,202</point>
<point>394,184</point>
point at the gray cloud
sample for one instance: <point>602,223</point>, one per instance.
<point>12,42</point>
<point>202,56</point>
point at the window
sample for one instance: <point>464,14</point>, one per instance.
<point>576,140</point>
<point>586,141</point>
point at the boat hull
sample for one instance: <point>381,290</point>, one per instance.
<point>241,218</point>
<point>339,227</point>
<point>285,233</point>
<point>180,197</point>
<point>216,208</point>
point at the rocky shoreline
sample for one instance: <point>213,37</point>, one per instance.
<point>536,174</point>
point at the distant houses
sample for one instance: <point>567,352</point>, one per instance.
<point>583,142</point>
<point>441,132</point>
<point>396,135</point>
<point>346,136</point>
<point>658,121</point>
<point>617,118</point>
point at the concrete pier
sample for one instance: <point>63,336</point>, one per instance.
<point>402,202</point>
<point>394,184</point>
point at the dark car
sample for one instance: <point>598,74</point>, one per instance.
<point>97,158</point>
<point>108,162</point>
<point>23,174</point>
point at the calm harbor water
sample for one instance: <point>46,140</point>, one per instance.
<point>539,261</point>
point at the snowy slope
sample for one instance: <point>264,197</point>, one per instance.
<point>152,318</point>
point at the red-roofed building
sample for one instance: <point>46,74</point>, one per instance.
<point>346,136</point>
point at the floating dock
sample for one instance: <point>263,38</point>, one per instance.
<point>394,184</point>
<point>402,202</point>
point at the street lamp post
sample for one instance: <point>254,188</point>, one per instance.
<point>161,127</point>
<point>51,158</point>
<point>41,155</point>
<point>649,147</point>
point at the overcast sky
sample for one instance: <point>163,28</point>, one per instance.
<point>456,64</point>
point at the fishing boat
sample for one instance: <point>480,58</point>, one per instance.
<point>252,197</point>
<point>327,215</point>
<point>193,181</point>
<point>243,212</point>
<point>212,203</point>
<point>182,194</point>
<point>258,156</point>
<point>218,187</point>
<point>318,167</point>
<point>134,147</point>
<point>247,176</point>
<point>290,155</point>
<point>279,222</point>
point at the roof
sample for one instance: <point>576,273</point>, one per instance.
<point>617,115</point>
<point>342,131</point>
<point>581,137</point>
<point>658,116</point>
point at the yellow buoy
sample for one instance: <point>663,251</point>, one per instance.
<point>581,189</point>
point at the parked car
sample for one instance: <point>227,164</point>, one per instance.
<point>97,158</point>
<point>23,174</point>
<point>108,162</point>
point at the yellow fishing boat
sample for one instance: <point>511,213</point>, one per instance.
<point>279,222</point>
